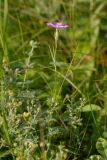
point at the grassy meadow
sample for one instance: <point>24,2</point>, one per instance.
<point>53,80</point>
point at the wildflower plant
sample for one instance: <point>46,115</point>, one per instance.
<point>28,64</point>
<point>56,26</point>
<point>33,129</point>
<point>50,110</point>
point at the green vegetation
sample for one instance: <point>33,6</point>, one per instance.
<point>53,82</point>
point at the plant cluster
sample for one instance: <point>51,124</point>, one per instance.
<point>53,80</point>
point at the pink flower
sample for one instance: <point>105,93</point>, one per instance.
<point>57,25</point>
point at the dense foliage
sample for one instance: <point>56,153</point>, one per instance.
<point>53,82</point>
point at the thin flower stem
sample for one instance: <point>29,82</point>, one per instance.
<point>54,53</point>
<point>55,49</point>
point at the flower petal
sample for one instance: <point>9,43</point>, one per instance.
<point>57,25</point>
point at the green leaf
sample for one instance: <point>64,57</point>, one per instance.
<point>101,146</point>
<point>91,107</point>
